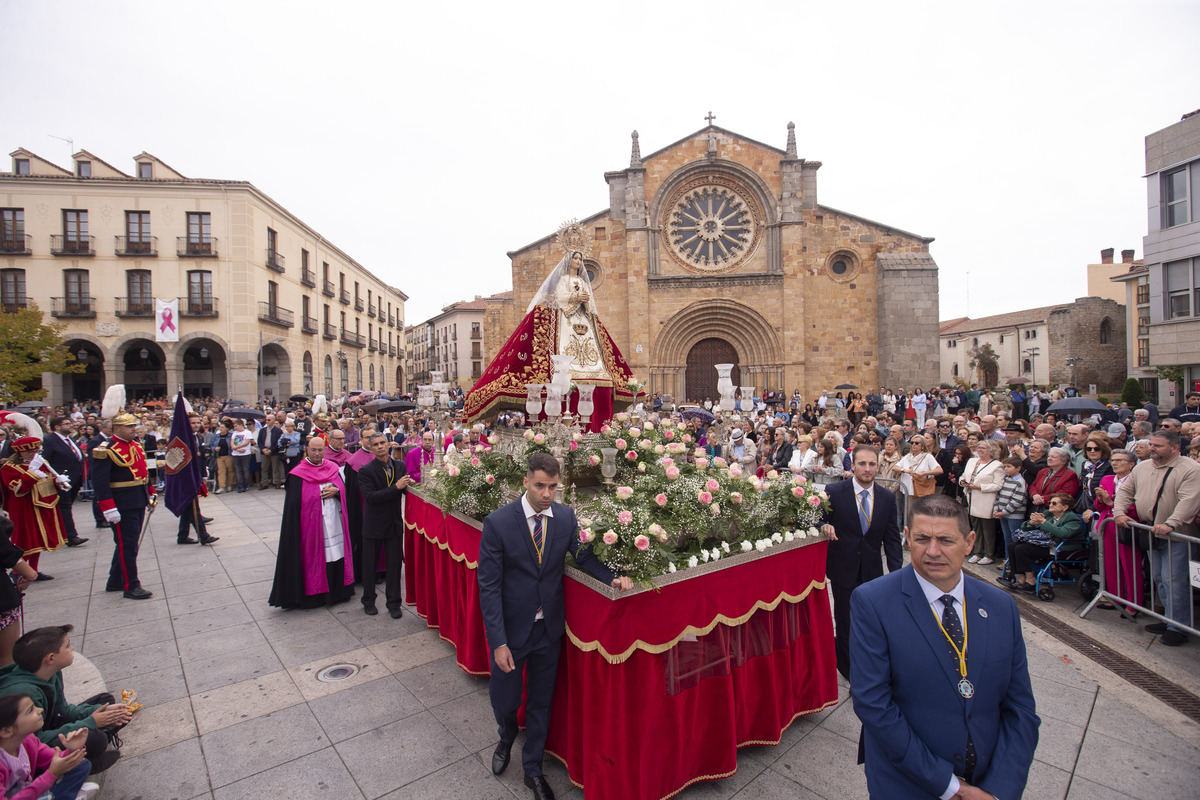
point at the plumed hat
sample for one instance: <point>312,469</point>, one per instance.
<point>113,407</point>
<point>320,408</point>
<point>25,425</point>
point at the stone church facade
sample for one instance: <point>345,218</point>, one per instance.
<point>715,249</point>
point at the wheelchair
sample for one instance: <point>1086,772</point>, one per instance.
<point>1078,567</point>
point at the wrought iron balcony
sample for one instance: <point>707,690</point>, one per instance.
<point>10,304</point>
<point>196,246</point>
<point>133,307</point>
<point>16,245</point>
<point>372,346</point>
<point>345,297</point>
<point>275,314</point>
<point>72,306</point>
<point>198,307</point>
<point>371,311</point>
<point>476,335</point>
<point>309,325</point>
<point>330,331</point>
<point>358,304</point>
<point>137,246</point>
<point>61,245</point>
<point>309,278</point>
<point>329,290</point>
<point>276,261</point>
<point>353,339</point>
<point>392,349</point>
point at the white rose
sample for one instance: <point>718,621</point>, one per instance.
<point>747,547</point>
<point>716,553</point>
<point>671,566</point>
<point>813,532</point>
<point>704,555</point>
<point>725,546</point>
<point>788,536</point>
<point>777,537</point>
<point>692,561</point>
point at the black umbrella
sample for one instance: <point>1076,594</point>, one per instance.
<point>700,415</point>
<point>1018,381</point>
<point>299,398</point>
<point>845,386</point>
<point>245,413</point>
<point>1076,405</point>
<point>33,404</point>
<point>232,403</point>
<point>397,405</point>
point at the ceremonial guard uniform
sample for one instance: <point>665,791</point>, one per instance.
<point>122,489</point>
<point>31,495</point>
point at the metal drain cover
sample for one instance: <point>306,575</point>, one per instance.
<point>337,672</point>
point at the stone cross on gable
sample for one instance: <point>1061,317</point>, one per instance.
<point>710,118</point>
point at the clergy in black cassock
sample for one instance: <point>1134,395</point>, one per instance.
<point>312,566</point>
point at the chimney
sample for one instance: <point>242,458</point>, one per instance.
<point>1106,255</point>
<point>1126,256</point>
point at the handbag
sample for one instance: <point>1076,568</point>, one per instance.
<point>923,487</point>
<point>1143,540</point>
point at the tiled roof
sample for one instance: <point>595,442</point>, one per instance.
<point>479,304</point>
<point>1030,316</point>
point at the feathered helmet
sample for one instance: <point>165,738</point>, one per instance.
<point>113,406</point>
<point>25,427</point>
<point>320,408</point>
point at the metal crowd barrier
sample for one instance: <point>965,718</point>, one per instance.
<point>1129,560</point>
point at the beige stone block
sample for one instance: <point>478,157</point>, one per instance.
<point>369,666</point>
<point>245,700</point>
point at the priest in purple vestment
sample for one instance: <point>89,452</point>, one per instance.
<point>421,458</point>
<point>313,565</point>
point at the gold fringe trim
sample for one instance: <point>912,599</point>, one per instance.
<point>462,559</point>
<point>713,777</point>
<point>760,605</point>
<point>438,628</point>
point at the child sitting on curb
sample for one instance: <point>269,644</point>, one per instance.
<point>29,770</point>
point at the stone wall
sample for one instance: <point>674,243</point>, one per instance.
<point>907,290</point>
<point>1074,330</point>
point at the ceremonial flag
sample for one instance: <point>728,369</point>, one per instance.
<point>183,464</point>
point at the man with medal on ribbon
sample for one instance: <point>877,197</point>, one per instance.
<point>382,484</point>
<point>120,482</point>
<point>938,673</point>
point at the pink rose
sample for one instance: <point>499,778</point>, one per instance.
<point>657,532</point>
<point>699,452</point>
<point>672,472</point>
<point>687,438</point>
<point>649,426</point>
<point>620,443</point>
<point>529,433</point>
<point>635,432</point>
<point>641,542</point>
<point>631,455</point>
<point>705,497</point>
<point>593,460</point>
<point>720,462</point>
<point>772,474</point>
<point>646,444</point>
<point>586,536</point>
<point>641,466</point>
<point>474,462</point>
<point>625,517</point>
<point>736,497</point>
<point>490,479</point>
<point>574,446</point>
<point>814,500</point>
<point>701,463</point>
<point>539,438</point>
<point>660,498</point>
<point>668,434</point>
<point>666,462</point>
<point>605,429</point>
<point>712,485</point>
<point>624,492</point>
<point>800,480</point>
<point>735,470</point>
<point>798,491</point>
<point>610,538</point>
<point>452,471</point>
<point>715,508</point>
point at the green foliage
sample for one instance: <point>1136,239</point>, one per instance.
<point>1172,373</point>
<point>1100,398</point>
<point>1132,393</point>
<point>983,360</point>
<point>29,347</point>
<point>474,486</point>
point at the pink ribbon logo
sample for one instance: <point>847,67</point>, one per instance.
<point>166,321</point>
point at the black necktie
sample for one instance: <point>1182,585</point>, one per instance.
<point>953,626</point>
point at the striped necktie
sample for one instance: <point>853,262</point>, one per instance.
<point>954,629</point>
<point>539,540</point>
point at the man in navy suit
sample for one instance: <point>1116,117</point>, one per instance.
<point>520,574</point>
<point>65,458</point>
<point>938,673</point>
<point>862,520</point>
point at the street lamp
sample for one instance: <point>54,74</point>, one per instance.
<point>261,345</point>
<point>1073,362</point>
<point>1032,352</point>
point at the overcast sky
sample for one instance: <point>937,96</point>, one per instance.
<point>427,140</point>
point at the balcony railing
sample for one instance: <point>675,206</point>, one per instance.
<point>61,245</point>
<point>309,325</point>
<point>16,245</point>
<point>198,307</point>
<point>345,298</point>
<point>392,349</point>
<point>196,246</point>
<point>309,278</point>
<point>476,335</point>
<point>72,306</point>
<point>276,261</point>
<point>329,290</point>
<point>358,304</point>
<point>275,314</point>
<point>132,307</point>
<point>136,246</point>
<point>330,331</point>
<point>353,339</point>
<point>454,336</point>
<point>391,320</point>
<point>372,346</point>
<point>10,304</point>
<point>371,311</point>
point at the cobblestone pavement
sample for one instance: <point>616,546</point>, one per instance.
<point>233,709</point>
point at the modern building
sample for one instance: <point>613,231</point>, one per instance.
<point>267,306</point>
<point>1171,251</point>
<point>1081,343</point>
<point>452,343</point>
<point>716,249</point>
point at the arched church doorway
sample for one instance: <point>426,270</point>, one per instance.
<point>701,380</point>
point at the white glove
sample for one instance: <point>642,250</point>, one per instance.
<point>37,473</point>
<point>64,482</point>
<point>112,516</point>
<point>37,462</point>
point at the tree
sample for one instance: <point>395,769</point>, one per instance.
<point>29,347</point>
<point>984,361</point>
<point>1132,394</point>
<point>1172,374</point>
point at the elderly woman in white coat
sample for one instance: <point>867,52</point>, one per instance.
<point>981,480</point>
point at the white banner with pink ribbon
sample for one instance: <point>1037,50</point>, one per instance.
<point>166,320</point>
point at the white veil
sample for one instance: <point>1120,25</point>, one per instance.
<point>556,291</point>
